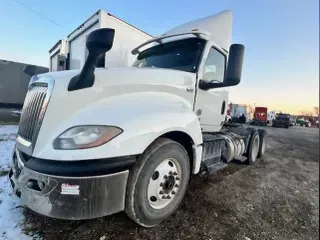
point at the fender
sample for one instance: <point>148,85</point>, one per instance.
<point>143,116</point>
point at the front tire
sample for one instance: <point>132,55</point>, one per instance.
<point>157,183</point>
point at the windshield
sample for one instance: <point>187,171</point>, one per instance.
<point>183,55</point>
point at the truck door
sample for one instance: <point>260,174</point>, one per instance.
<point>211,105</point>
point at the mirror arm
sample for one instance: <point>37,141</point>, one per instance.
<point>98,42</point>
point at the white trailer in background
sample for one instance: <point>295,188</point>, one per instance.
<point>74,50</point>
<point>58,56</point>
<point>237,110</point>
<point>271,116</point>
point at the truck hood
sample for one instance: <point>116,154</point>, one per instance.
<point>123,76</point>
<point>122,83</point>
<point>117,98</point>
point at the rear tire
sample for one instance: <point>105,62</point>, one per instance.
<point>254,145</point>
<point>263,142</point>
<point>151,181</point>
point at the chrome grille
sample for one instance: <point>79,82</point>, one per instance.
<point>31,112</point>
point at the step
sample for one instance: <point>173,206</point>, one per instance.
<point>216,167</point>
<point>241,158</point>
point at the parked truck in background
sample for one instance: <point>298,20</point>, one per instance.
<point>303,122</point>
<point>260,116</point>
<point>71,53</point>
<point>271,116</point>
<point>14,83</point>
<point>58,56</point>
<point>238,110</point>
<point>130,138</point>
<point>281,120</point>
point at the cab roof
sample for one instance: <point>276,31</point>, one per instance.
<point>217,27</point>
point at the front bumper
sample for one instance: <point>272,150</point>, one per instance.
<point>258,122</point>
<point>282,124</point>
<point>67,197</point>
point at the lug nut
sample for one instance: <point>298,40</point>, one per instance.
<point>177,178</point>
<point>170,173</point>
<point>165,176</point>
<point>177,185</point>
<point>173,192</point>
<point>164,197</point>
<point>161,184</point>
<point>161,192</point>
<point>175,173</point>
<point>168,197</point>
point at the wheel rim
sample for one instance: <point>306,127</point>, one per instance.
<point>255,148</point>
<point>164,183</point>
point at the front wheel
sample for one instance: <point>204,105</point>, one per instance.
<point>157,183</point>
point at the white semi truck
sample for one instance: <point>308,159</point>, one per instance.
<point>94,142</point>
<point>71,53</point>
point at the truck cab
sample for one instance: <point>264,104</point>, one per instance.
<point>281,120</point>
<point>93,142</point>
<point>260,116</point>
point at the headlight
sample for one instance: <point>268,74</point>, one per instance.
<point>80,137</point>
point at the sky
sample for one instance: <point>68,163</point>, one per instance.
<point>281,65</point>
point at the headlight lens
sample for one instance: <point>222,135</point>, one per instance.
<point>81,137</point>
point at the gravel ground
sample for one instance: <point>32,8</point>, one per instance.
<point>276,199</point>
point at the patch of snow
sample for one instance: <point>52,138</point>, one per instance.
<point>11,216</point>
<point>8,129</point>
<point>16,113</point>
<point>7,138</point>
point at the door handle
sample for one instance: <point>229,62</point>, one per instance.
<point>190,89</point>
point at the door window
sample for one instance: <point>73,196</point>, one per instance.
<point>215,65</point>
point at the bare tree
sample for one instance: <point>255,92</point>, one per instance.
<point>316,110</point>
<point>306,113</point>
<point>250,109</point>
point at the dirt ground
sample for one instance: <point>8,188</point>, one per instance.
<point>276,199</point>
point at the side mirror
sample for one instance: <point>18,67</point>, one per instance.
<point>98,42</point>
<point>234,68</point>
<point>30,70</point>
<point>233,72</point>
